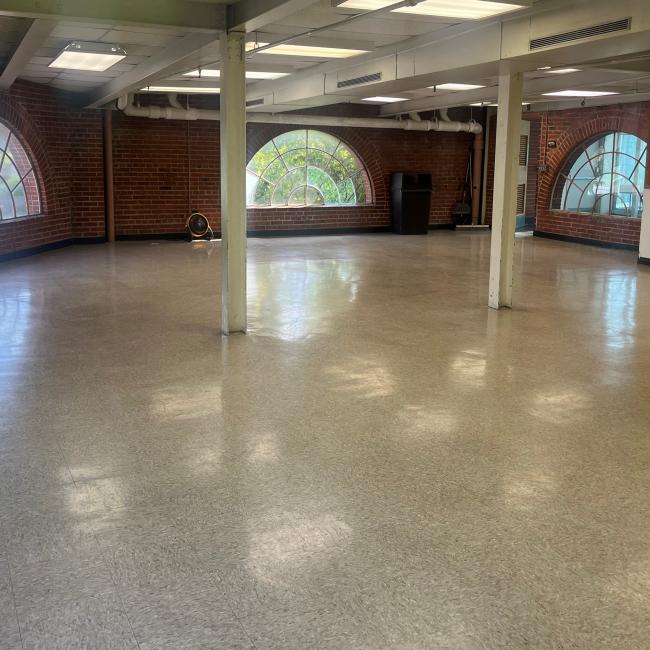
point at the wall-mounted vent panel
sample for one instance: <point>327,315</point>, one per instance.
<point>579,34</point>
<point>255,102</point>
<point>521,198</point>
<point>357,81</point>
<point>523,150</point>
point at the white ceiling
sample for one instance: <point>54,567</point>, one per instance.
<point>140,44</point>
<point>11,33</point>
<point>379,32</point>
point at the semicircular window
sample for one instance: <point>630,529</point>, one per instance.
<point>306,168</point>
<point>604,175</point>
<point>18,187</point>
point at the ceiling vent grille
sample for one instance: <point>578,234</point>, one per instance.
<point>579,34</point>
<point>255,102</point>
<point>357,81</point>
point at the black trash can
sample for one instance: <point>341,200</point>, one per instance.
<point>411,202</point>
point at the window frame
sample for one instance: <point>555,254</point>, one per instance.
<point>33,194</point>
<point>569,177</point>
<point>361,172</point>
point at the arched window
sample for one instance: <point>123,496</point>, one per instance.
<point>18,186</point>
<point>604,175</point>
<point>306,167</point>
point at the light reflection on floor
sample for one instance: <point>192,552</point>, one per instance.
<point>381,462</point>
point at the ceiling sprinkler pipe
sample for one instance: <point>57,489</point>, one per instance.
<point>175,113</point>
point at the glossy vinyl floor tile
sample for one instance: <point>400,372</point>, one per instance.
<point>9,628</point>
<point>381,462</point>
<point>95,622</point>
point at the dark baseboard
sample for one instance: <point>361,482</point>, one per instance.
<point>588,242</point>
<point>35,250</point>
<point>316,232</point>
<point>176,236</point>
<point>149,236</point>
<point>43,248</point>
<point>88,240</point>
<point>644,260</point>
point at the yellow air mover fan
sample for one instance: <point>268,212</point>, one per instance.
<point>198,227</point>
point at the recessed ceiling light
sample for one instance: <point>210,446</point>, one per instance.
<point>563,70</point>
<point>579,93</point>
<point>185,90</point>
<point>384,100</point>
<point>311,51</point>
<point>456,87</point>
<point>545,67</point>
<point>95,57</point>
<point>466,9</point>
<point>250,74</point>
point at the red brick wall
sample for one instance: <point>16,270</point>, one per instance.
<point>87,177</point>
<point>158,178</point>
<point>65,145</point>
<point>569,128</point>
<point>151,175</point>
<point>489,171</point>
<point>154,193</point>
<point>533,165</point>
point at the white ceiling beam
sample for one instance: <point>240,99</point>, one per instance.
<point>466,51</point>
<point>251,15</point>
<point>34,37</point>
<point>532,88</point>
<point>163,64</point>
<point>175,14</point>
<point>589,102</point>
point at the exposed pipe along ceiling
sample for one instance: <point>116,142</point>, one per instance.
<point>176,112</point>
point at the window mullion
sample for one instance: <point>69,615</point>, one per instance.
<point>21,181</point>
<point>11,196</point>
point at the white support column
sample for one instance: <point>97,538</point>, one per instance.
<point>644,241</point>
<point>233,183</point>
<point>504,206</point>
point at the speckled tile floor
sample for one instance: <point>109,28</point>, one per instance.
<point>382,462</point>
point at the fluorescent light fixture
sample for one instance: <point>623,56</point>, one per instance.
<point>185,90</point>
<point>563,70</point>
<point>486,104</point>
<point>384,100</point>
<point>456,87</point>
<point>209,73</point>
<point>94,57</point>
<point>545,67</point>
<point>465,9</point>
<point>310,51</point>
<point>579,93</point>
<point>251,45</point>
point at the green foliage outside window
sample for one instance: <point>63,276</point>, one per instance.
<point>18,187</point>
<point>305,167</point>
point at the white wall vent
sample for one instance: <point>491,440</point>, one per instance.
<point>578,34</point>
